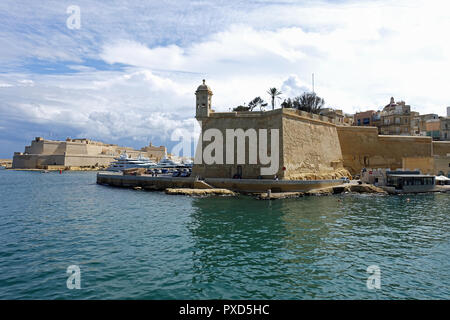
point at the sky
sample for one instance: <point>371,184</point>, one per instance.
<point>128,74</point>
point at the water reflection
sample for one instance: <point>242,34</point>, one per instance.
<point>248,243</point>
<point>310,247</point>
<point>136,244</point>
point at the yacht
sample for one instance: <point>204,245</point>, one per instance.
<point>125,162</point>
<point>168,163</point>
<point>188,163</point>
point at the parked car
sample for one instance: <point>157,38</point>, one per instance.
<point>176,174</point>
<point>345,180</point>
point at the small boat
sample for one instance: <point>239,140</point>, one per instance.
<point>400,181</point>
<point>125,162</point>
<point>2,167</point>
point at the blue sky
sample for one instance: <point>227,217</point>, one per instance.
<point>128,75</point>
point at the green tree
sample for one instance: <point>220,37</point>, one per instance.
<point>257,102</point>
<point>241,108</point>
<point>274,93</point>
<point>287,103</point>
<point>309,102</point>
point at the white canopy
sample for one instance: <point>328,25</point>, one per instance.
<point>442,178</point>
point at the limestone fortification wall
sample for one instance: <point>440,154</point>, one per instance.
<point>362,147</point>
<point>33,161</point>
<point>79,148</point>
<point>243,120</point>
<point>442,165</point>
<point>424,164</point>
<point>441,148</point>
<point>308,145</point>
<point>311,148</point>
<point>72,153</point>
<point>154,152</point>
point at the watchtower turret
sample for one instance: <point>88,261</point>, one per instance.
<point>203,101</point>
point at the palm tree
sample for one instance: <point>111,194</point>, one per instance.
<point>274,93</point>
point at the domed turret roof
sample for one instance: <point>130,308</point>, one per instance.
<point>204,87</point>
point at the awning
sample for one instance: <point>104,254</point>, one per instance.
<point>442,178</point>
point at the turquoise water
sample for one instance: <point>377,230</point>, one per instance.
<point>148,245</point>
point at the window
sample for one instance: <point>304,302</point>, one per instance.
<point>366,121</point>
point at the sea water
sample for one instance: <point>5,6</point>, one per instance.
<point>132,244</point>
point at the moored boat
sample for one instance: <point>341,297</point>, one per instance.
<point>168,163</point>
<point>125,162</point>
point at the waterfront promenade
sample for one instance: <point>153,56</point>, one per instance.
<point>243,185</point>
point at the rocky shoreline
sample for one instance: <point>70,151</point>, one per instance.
<point>200,192</point>
<point>351,188</point>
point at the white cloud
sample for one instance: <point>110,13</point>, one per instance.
<point>105,105</point>
<point>26,82</point>
<point>361,54</point>
<point>293,86</point>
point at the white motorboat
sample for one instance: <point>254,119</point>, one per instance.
<point>168,163</point>
<point>125,162</point>
<point>188,163</point>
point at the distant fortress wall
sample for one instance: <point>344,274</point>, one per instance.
<point>74,153</point>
